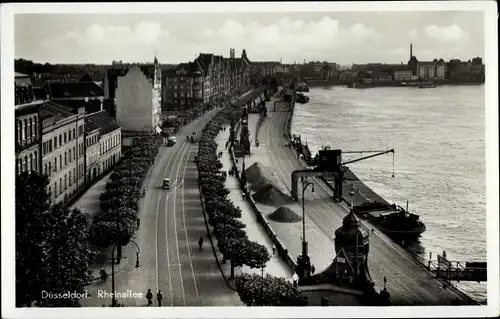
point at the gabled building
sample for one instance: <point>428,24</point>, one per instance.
<point>183,87</point>
<point>138,98</point>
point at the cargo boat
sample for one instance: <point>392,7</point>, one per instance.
<point>392,220</point>
<point>427,86</point>
<point>301,98</point>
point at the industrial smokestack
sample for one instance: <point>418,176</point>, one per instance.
<point>411,50</point>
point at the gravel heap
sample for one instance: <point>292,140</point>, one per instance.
<point>270,195</point>
<point>258,176</point>
<point>285,215</point>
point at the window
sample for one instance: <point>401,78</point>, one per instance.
<point>69,135</point>
<point>35,160</point>
<point>50,169</point>
<point>69,179</point>
<point>45,169</point>
<point>50,194</point>
<point>25,131</point>
<point>55,164</point>
<point>60,139</point>
<point>50,146</point>
<point>65,182</point>
<point>69,155</point>
<point>74,176</point>
<point>74,153</point>
<point>55,142</point>
<point>55,190</point>
<point>65,159</point>
<point>74,133</point>
<point>30,126</point>
<point>65,138</point>
<point>60,186</point>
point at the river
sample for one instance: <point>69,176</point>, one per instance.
<point>438,137</point>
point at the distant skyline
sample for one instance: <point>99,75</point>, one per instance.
<point>342,37</point>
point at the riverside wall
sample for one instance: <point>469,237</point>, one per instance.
<point>419,260</point>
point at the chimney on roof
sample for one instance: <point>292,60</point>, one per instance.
<point>232,54</point>
<point>411,50</point>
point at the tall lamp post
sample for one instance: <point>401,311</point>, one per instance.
<point>305,262</point>
<point>137,266</point>
<point>262,282</point>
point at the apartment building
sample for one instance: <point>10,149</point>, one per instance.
<point>104,147</point>
<point>92,151</point>
<point>27,128</point>
<point>63,149</point>
<point>184,87</point>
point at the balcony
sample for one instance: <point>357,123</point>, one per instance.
<point>26,144</point>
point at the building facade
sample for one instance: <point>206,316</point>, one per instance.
<point>108,142</point>
<point>63,150</point>
<point>138,99</point>
<point>27,128</point>
<point>402,75</point>
<point>92,151</point>
<point>184,87</point>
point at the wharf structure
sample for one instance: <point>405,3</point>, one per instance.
<point>388,266</point>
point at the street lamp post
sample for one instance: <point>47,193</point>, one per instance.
<point>305,257</point>
<point>137,266</point>
<point>262,282</point>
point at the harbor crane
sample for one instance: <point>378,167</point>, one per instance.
<point>330,164</point>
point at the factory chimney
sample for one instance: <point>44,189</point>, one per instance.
<point>411,50</point>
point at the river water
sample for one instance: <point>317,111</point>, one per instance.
<point>439,162</point>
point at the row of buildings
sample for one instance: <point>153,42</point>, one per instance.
<point>208,79</point>
<point>64,135</point>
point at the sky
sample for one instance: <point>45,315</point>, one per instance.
<point>341,37</point>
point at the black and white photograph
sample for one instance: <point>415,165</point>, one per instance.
<point>203,160</point>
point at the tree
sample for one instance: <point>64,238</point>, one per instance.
<point>51,245</point>
<point>242,251</point>
<point>268,291</point>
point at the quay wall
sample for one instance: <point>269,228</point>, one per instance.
<point>322,83</point>
<point>419,260</point>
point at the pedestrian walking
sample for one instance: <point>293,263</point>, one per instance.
<point>143,192</point>
<point>149,297</point>
<point>274,249</point>
<point>159,298</point>
<point>138,222</point>
<point>103,274</point>
<point>295,279</point>
<point>313,269</point>
<point>200,243</point>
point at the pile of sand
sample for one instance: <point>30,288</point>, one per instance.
<point>271,196</point>
<point>285,215</point>
<point>258,176</point>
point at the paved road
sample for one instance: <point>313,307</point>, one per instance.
<point>407,282</point>
<point>171,223</point>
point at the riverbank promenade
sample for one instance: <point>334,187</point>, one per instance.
<point>276,266</point>
<point>407,282</point>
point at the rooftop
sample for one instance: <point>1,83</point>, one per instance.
<point>104,121</point>
<point>56,110</point>
<point>67,90</point>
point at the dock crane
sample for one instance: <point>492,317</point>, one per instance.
<point>329,164</point>
<point>339,174</point>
